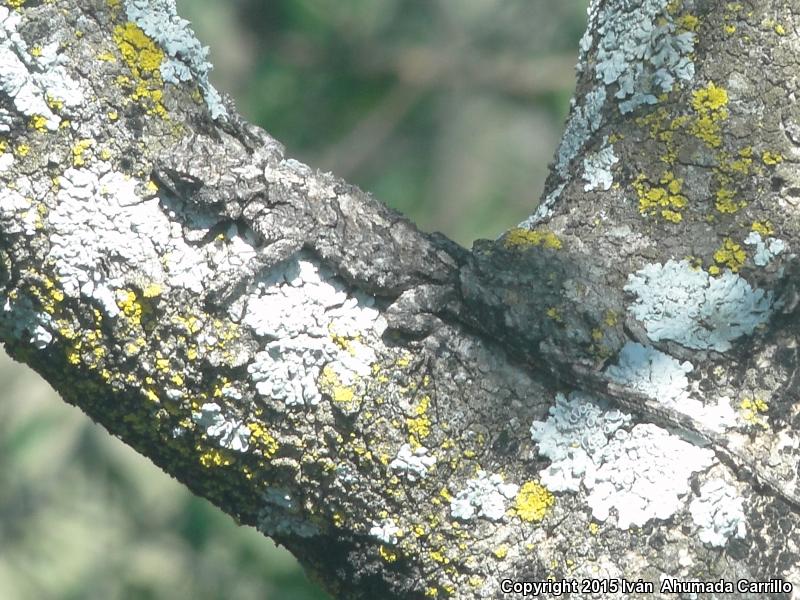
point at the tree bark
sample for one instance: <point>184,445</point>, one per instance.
<point>410,418</point>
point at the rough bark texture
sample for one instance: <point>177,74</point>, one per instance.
<point>398,411</point>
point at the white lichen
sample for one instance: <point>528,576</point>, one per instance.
<point>688,306</point>
<point>719,513</point>
<point>486,496</point>
<point>765,250</point>
<point>660,376</point>
<point>87,235</point>
<point>314,322</point>
<point>187,58</point>
<point>229,432</point>
<point>17,212</point>
<point>413,464</point>
<point>30,81</point>
<point>385,532</point>
<point>641,473</point>
<point>597,168</point>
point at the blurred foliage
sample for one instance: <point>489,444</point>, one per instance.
<point>448,110</point>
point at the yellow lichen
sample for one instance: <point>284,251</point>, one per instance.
<point>751,409</point>
<point>730,255</point>
<point>688,22</point>
<point>709,105</point>
<point>262,439</point>
<point>130,306</point>
<point>594,528</point>
<point>151,290</point>
<point>500,552</point>
<point>419,427</point>
<point>771,158</point>
<point>140,52</point>
<point>78,151</point>
<point>533,501</point>
<point>724,201</point>
<point>764,228</point>
<point>744,163</point>
<point>143,57</point>
<point>38,123</point>
<point>554,314</point>
<point>388,554</point>
<point>214,458</point>
<point>709,98</point>
<point>332,385</point>
<point>611,318</point>
<point>521,238</point>
<point>665,198</point>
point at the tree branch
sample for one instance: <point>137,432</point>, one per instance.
<point>388,405</point>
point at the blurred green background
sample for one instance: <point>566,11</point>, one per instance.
<point>448,110</point>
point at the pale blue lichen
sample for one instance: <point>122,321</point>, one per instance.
<point>765,250</point>
<point>314,322</point>
<point>642,474</point>
<point>676,302</point>
<point>186,56</point>
<point>577,428</point>
<point>597,168</point>
<point>19,320</point>
<point>6,120</point>
<point>289,370</point>
<point>486,496</point>
<point>587,39</point>
<point>585,119</point>
<point>719,513</point>
<point>281,515</point>
<point>230,433</point>
<point>641,51</point>
<point>660,376</point>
